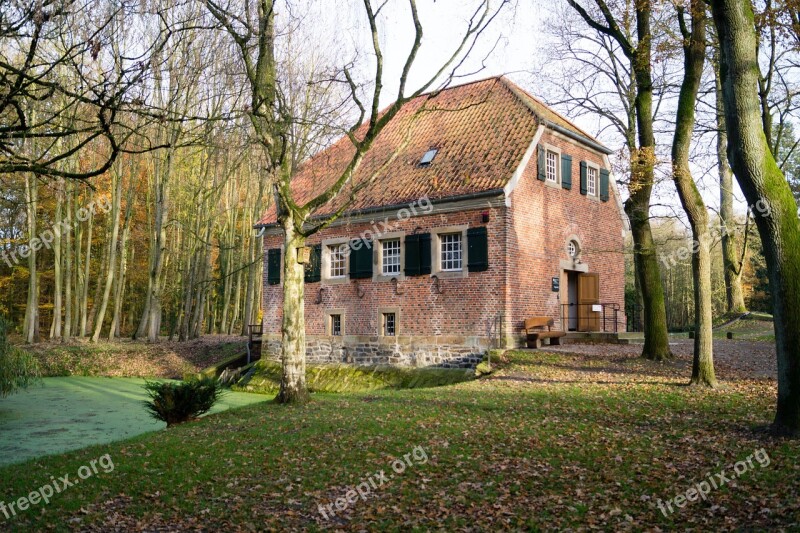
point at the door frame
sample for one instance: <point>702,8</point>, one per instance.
<point>563,293</point>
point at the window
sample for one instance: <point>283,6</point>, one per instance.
<point>573,249</point>
<point>389,325</point>
<point>591,181</point>
<point>427,158</point>
<point>337,259</point>
<point>390,257</point>
<point>451,251</point>
<point>336,325</point>
<point>551,167</point>
<point>335,322</point>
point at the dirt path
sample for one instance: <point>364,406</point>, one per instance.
<point>733,359</point>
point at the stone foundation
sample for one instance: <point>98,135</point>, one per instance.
<point>445,352</point>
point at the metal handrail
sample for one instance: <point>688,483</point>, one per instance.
<point>609,323</point>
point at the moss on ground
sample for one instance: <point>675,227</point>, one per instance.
<point>265,378</point>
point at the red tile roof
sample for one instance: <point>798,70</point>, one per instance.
<point>481,131</point>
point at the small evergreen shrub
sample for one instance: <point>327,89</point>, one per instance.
<point>176,402</point>
<point>18,369</point>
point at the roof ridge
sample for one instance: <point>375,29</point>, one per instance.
<point>514,88</point>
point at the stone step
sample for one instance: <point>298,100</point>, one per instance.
<point>603,337</point>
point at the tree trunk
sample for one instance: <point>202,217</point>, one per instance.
<point>293,329</point>
<point>637,207</point>
<point>150,323</point>
<point>55,326</point>
<point>98,287</point>
<point>112,255</point>
<point>252,303</point>
<point>237,296</point>
<point>247,317</point>
<point>731,261</point>
<point>67,331</point>
<point>119,289</point>
<point>189,280</point>
<point>85,283</point>
<point>30,329</point>
<point>768,193</point>
<point>654,313</point>
<point>693,59</point>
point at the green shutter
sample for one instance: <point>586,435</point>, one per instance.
<point>542,173</point>
<point>477,249</point>
<point>583,177</point>
<point>566,171</point>
<point>604,174</point>
<point>412,255</point>
<point>360,259</point>
<point>274,266</point>
<point>418,254</point>
<point>425,253</point>
<point>314,266</point>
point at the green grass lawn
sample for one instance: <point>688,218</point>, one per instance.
<point>547,442</point>
<point>753,328</point>
<point>749,329</point>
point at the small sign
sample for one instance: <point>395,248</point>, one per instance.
<point>303,254</point>
<point>556,284</point>
<point>597,308</point>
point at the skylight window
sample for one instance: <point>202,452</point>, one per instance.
<point>427,159</point>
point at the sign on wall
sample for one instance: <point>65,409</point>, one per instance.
<point>556,284</point>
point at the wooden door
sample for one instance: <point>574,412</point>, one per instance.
<point>588,295</point>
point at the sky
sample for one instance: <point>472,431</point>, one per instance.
<point>513,45</point>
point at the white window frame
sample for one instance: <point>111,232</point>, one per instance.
<point>436,252</point>
<point>398,255</point>
<point>556,153</point>
<point>334,326</point>
<point>326,261</point>
<point>337,262</point>
<point>592,168</point>
<point>382,312</point>
<point>452,256</point>
<point>573,242</point>
<point>329,314</point>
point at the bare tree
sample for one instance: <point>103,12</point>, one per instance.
<point>637,50</point>
<point>254,33</point>
<point>53,59</point>
<point>731,258</point>
<point>694,54</point>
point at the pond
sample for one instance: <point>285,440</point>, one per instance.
<point>68,413</point>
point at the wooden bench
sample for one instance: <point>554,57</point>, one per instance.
<point>534,329</point>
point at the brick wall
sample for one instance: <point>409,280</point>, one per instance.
<point>467,307</point>
<point>532,234</point>
<point>543,218</point>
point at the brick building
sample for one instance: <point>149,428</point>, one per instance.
<point>494,209</point>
